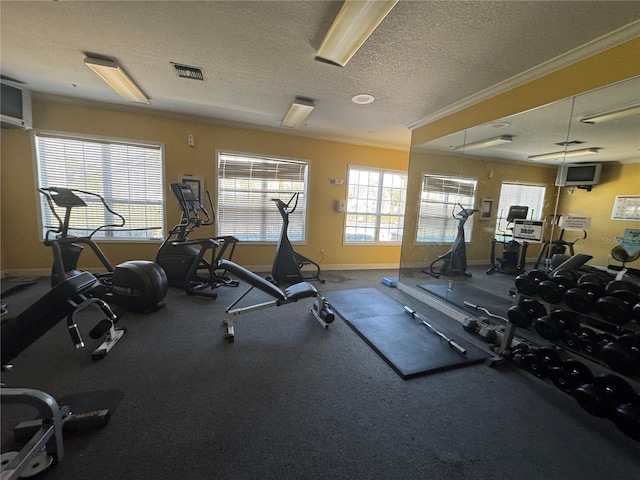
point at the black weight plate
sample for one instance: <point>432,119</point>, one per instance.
<point>594,400</point>
<point>630,298</point>
<point>566,278</point>
<point>579,300</point>
<point>534,365</point>
<point>519,316</point>
<point>626,416</point>
<point>567,320</point>
<point>578,370</point>
<point>587,333</point>
<point>614,310</point>
<point>630,340</point>
<point>538,275</point>
<point>615,285</point>
<point>604,338</point>
<point>593,279</point>
<point>550,291</point>
<point>549,357</point>
<point>526,284</point>
<point>547,328</point>
<point>534,307</point>
<point>620,358</point>
<point>572,340</point>
<point>635,312</point>
<point>615,387</point>
<point>571,375</point>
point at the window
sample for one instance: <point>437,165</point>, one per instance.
<point>513,193</point>
<point>247,185</point>
<point>375,206</point>
<point>128,175</point>
<point>440,199</point>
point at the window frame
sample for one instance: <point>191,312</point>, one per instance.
<point>450,222</point>
<point>378,214</point>
<point>108,233</point>
<point>501,220</point>
<point>270,209</point>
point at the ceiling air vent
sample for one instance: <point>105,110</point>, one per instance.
<point>185,71</point>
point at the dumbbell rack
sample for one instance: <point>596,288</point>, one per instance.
<point>594,322</point>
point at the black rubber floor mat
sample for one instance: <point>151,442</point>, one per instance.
<point>402,341</point>
<point>461,292</point>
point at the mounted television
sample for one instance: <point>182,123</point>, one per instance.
<point>578,174</point>
<point>15,106</point>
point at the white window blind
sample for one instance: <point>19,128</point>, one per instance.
<point>512,193</point>
<point>246,187</point>
<point>127,175</point>
<point>375,206</point>
<point>439,201</point>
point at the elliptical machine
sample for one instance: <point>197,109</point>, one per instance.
<point>136,286</point>
<point>183,259</point>
<point>454,262</point>
<point>288,264</point>
<point>514,255</point>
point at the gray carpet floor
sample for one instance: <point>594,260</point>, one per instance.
<point>290,400</point>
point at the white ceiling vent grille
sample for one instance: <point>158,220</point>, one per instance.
<point>184,71</point>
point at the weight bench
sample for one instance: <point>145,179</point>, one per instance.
<point>66,299</point>
<point>321,310</point>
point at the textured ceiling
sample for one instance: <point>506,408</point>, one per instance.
<point>258,56</point>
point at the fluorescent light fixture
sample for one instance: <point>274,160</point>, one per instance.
<point>117,79</point>
<point>355,21</point>
<point>572,153</point>
<point>612,114</point>
<point>298,112</point>
<point>490,142</point>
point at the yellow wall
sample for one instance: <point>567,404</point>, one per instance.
<point>22,248</point>
<point>611,66</point>
<point>598,204</point>
<point>478,248</point>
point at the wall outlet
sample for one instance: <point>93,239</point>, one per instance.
<point>322,251</point>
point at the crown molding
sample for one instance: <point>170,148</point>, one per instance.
<point>612,39</point>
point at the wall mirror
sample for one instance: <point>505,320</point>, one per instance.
<point>557,128</point>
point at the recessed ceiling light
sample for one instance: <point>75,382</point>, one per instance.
<point>500,125</point>
<point>362,99</point>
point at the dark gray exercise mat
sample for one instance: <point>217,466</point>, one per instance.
<point>461,292</point>
<point>402,341</point>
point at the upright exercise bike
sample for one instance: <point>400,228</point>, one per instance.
<point>454,262</point>
<point>288,264</point>
<point>192,264</point>
<point>514,254</point>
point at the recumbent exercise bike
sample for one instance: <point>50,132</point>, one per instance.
<point>183,259</point>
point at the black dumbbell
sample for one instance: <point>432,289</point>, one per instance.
<point>570,375</point>
<point>540,361</point>
<point>552,326</point>
<point>603,394</point>
<point>525,312</point>
<point>623,354</point>
<point>613,309</point>
<point>553,289</point>
<point>593,284</point>
<point>624,290</point>
<point>527,283</point>
<point>580,300</point>
<point>583,338</point>
<point>626,416</point>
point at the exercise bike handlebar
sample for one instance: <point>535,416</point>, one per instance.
<point>464,212</point>
<point>285,208</point>
<point>66,198</point>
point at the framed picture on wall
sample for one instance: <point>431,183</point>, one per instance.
<point>486,209</point>
<point>196,184</point>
